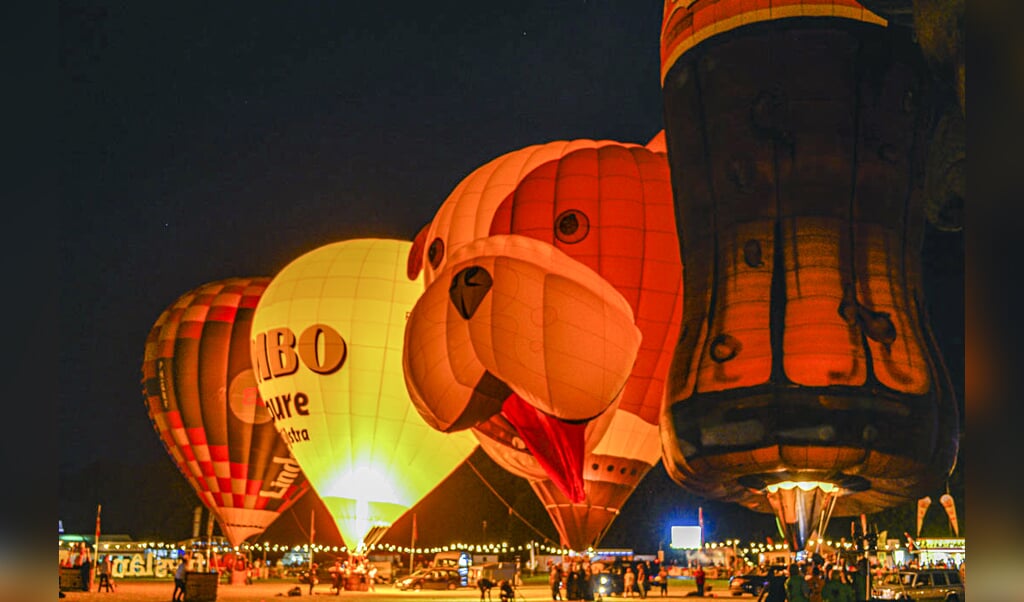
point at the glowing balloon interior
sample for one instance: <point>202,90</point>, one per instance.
<point>327,352</point>
<point>204,404</point>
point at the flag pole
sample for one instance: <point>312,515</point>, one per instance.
<point>700,522</point>
<point>312,532</point>
<point>412,548</point>
<point>96,555</point>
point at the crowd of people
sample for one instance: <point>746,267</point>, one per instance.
<point>578,582</point>
<point>354,573</point>
<point>814,582</point>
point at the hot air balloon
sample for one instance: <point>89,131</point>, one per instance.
<point>327,351</point>
<point>202,400</point>
<point>806,381</point>
<point>553,299</point>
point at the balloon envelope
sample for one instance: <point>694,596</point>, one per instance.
<point>327,349</point>
<point>807,381</point>
<point>557,361</point>
<point>204,404</point>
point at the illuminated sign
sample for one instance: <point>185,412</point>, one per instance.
<point>933,543</point>
<point>686,537</point>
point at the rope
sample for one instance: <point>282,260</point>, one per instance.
<point>305,534</point>
<point>512,510</point>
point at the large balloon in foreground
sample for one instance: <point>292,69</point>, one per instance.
<point>554,295</point>
<point>327,349</point>
<point>202,399</point>
<point>806,380</point>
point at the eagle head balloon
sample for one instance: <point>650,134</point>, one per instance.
<point>327,352</point>
<point>203,402</point>
<point>553,298</point>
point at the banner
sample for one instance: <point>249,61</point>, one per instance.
<point>947,502</point>
<point>922,507</point>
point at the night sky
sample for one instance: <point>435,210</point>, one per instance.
<point>199,142</point>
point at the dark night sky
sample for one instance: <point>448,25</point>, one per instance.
<point>204,141</point>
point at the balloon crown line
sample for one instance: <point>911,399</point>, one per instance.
<point>491,548</point>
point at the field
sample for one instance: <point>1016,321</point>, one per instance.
<point>159,590</point>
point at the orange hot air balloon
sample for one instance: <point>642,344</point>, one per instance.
<point>554,294</point>
<point>806,381</point>
<point>202,399</point>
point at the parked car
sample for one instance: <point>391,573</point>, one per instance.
<point>919,585</point>
<point>749,583</point>
<point>432,578</point>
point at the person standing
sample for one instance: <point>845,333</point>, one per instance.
<point>859,579</point>
<point>587,580</point>
<point>663,580</point>
<point>555,581</point>
<point>797,589</point>
<point>815,582</point>
<point>179,581</point>
<point>85,569</point>
<point>628,581</point>
<point>775,589</point>
<point>313,580</point>
<point>571,584</point>
<point>337,574</point>
<point>699,579</point>
<point>641,579</point>
<point>837,590</point>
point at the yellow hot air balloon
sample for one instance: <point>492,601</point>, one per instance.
<point>327,342</point>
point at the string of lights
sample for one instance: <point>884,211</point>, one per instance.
<point>489,548</point>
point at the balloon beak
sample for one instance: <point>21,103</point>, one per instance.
<point>557,445</point>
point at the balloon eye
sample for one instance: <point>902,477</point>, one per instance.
<point>572,226</point>
<point>435,253</point>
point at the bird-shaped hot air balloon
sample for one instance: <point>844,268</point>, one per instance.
<point>327,343</point>
<point>806,381</point>
<point>202,399</point>
<point>553,302</point>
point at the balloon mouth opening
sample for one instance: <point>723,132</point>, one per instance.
<point>803,503</point>
<point>803,485</point>
<point>835,482</point>
<point>557,445</point>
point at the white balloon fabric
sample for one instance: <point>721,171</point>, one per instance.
<point>327,345</point>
